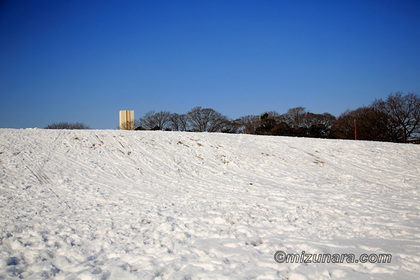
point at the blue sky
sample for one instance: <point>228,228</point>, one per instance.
<point>83,61</point>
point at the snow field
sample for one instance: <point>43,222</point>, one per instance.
<point>105,204</point>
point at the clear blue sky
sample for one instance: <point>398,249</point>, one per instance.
<point>83,61</point>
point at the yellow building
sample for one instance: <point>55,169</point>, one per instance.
<point>126,120</point>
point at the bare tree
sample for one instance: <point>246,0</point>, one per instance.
<point>154,121</point>
<point>369,124</point>
<point>162,119</point>
<point>249,123</point>
<point>148,121</point>
<point>232,126</point>
<point>178,122</point>
<point>402,114</point>
<point>344,125</point>
<point>66,125</point>
<point>294,117</point>
<point>206,119</point>
<point>317,125</point>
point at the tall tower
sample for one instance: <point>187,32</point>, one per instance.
<point>126,120</point>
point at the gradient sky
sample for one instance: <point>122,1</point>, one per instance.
<point>83,61</point>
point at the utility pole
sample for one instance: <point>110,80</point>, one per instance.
<point>355,130</point>
<point>127,118</point>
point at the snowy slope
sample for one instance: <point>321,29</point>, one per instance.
<point>99,204</point>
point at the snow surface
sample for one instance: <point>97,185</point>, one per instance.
<point>107,204</point>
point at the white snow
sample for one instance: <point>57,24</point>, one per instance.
<point>107,204</point>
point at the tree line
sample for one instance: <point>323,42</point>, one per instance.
<point>66,125</point>
<point>395,119</point>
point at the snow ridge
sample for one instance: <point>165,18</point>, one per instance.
<point>106,204</point>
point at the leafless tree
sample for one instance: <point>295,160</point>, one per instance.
<point>178,122</point>
<point>402,113</point>
<point>205,119</point>
<point>249,123</point>
<point>232,126</point>
<point>162,119</point>
<point>309,119</point>
<point>317,125</point>
<point>369,125</point>
<point>66,125</point>
<point>294,117</point>
<point>155,121</point>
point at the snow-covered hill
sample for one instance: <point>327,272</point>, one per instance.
<point>99,204</point>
